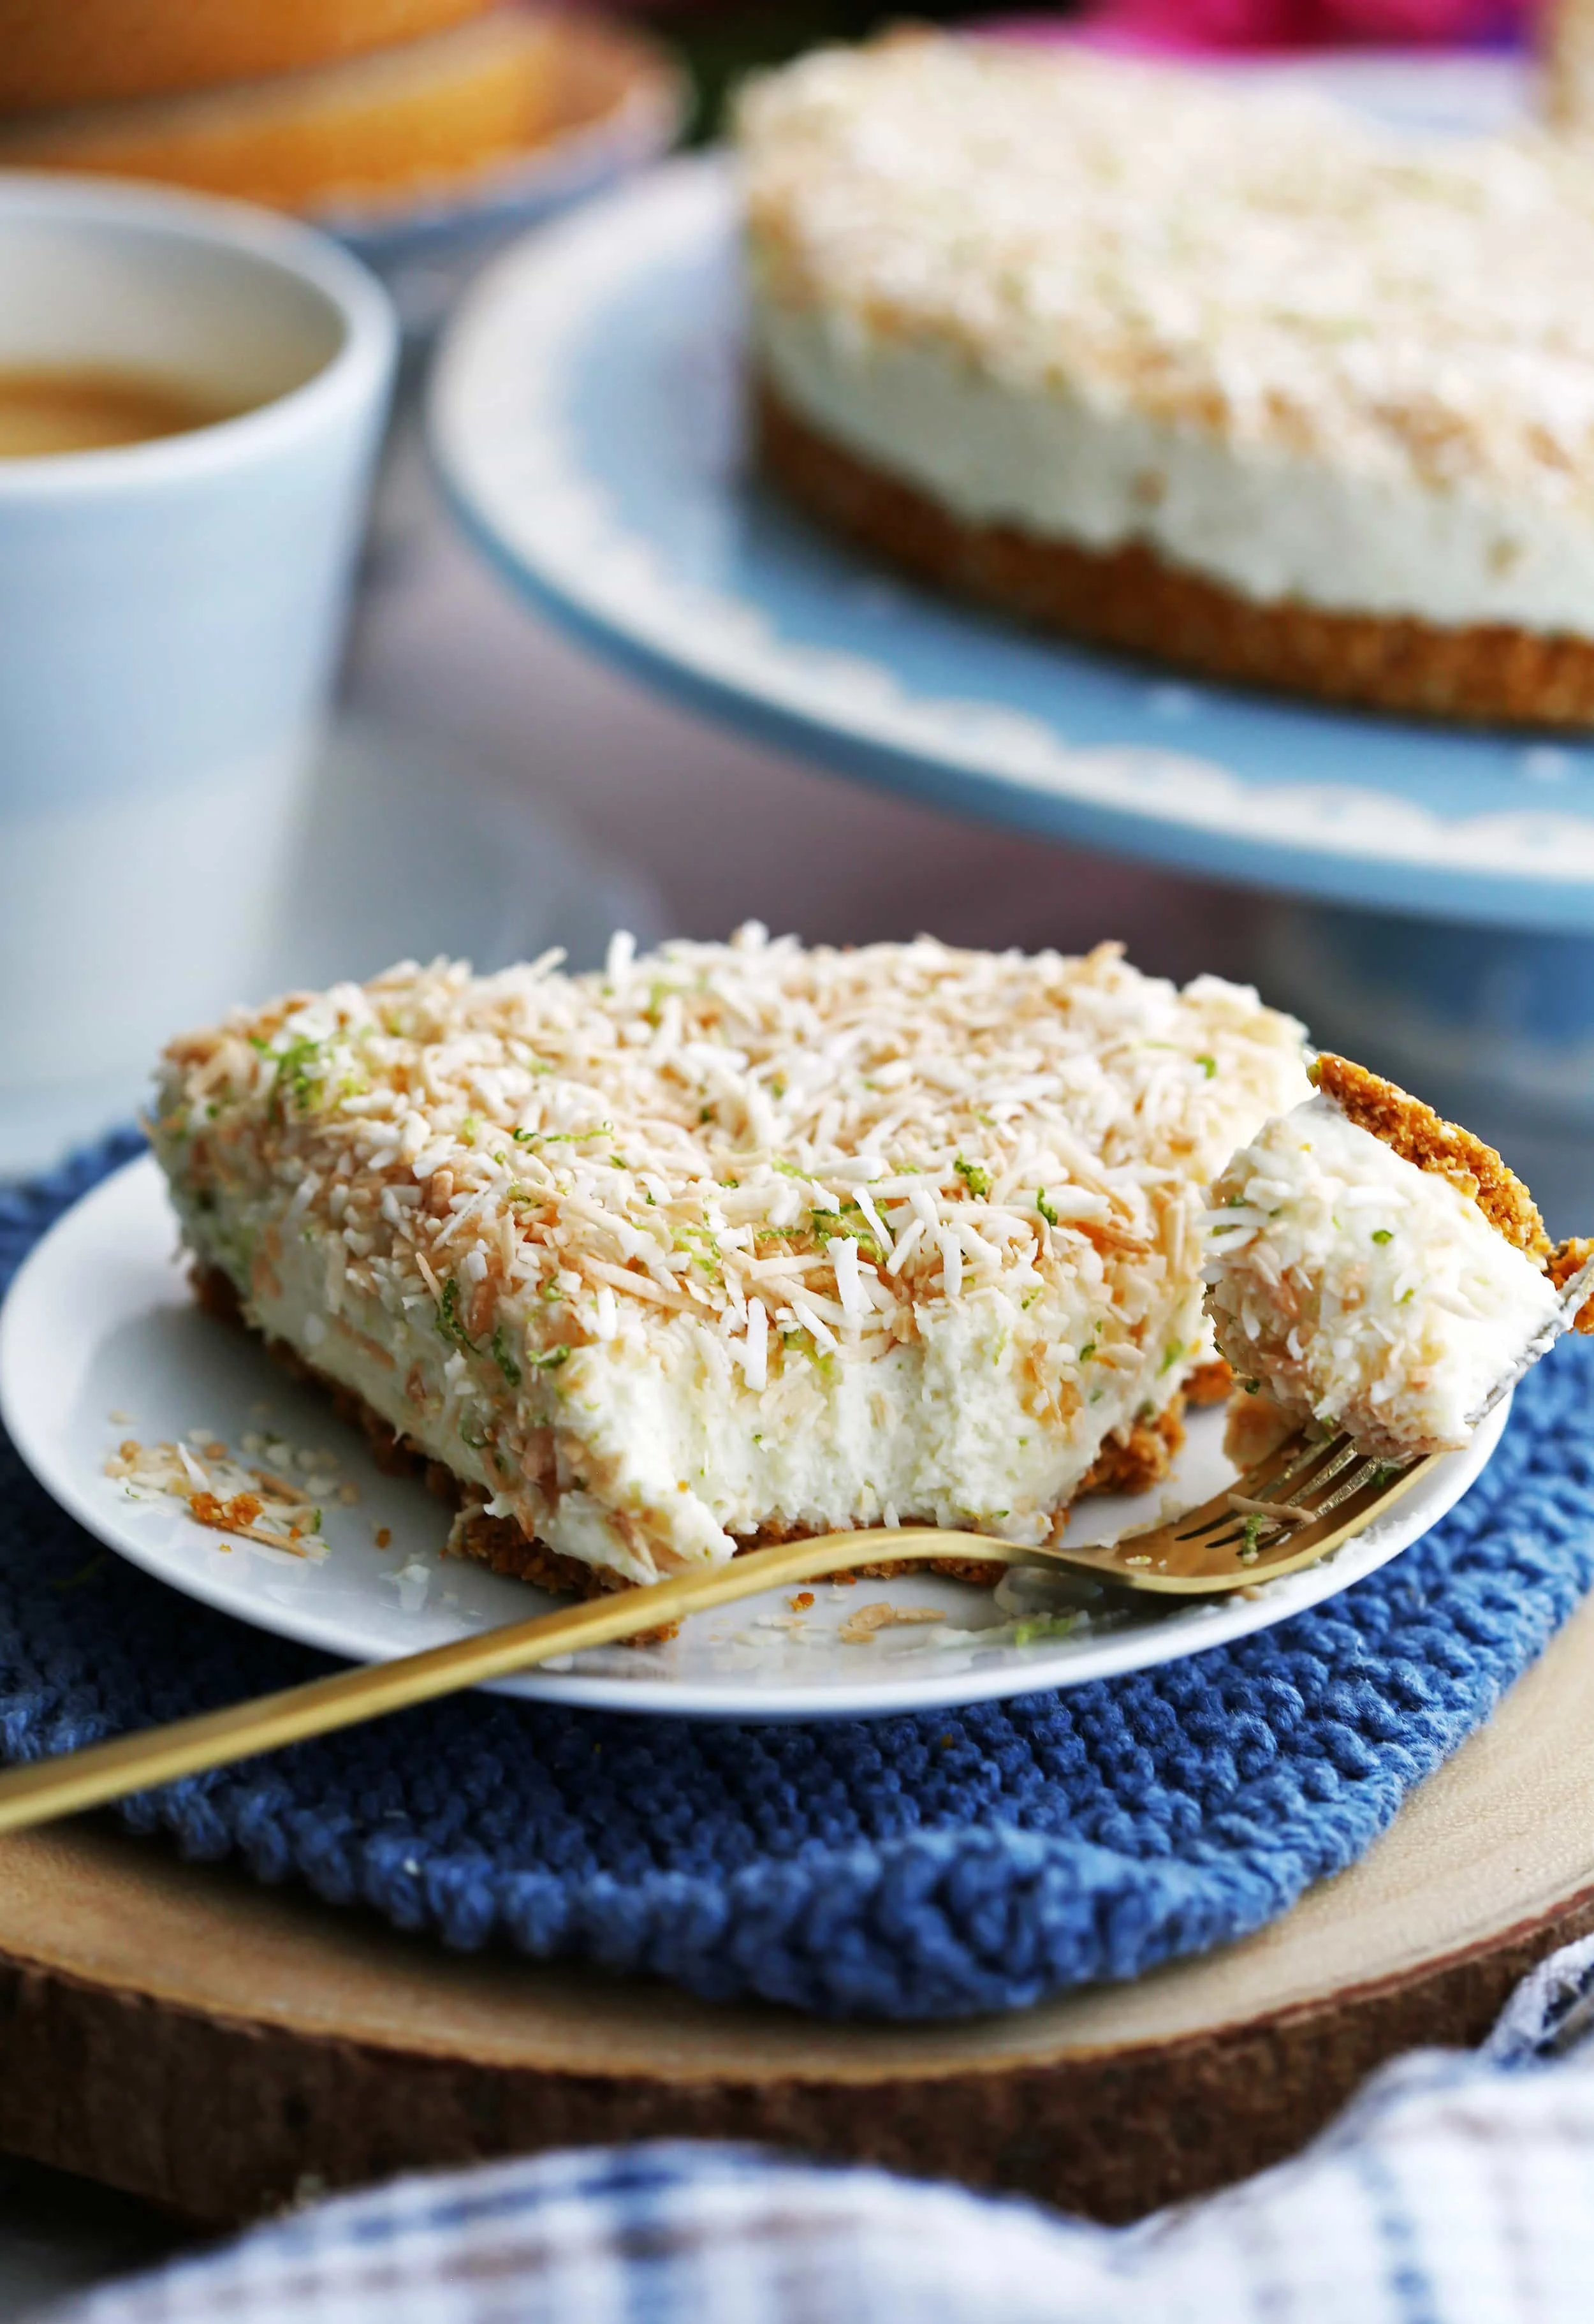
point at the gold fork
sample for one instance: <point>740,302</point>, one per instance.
<point>1311,1493</point>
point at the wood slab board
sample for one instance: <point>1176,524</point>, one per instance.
<point>220,2048</point>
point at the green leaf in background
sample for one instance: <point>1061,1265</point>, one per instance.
<point>719,45</point>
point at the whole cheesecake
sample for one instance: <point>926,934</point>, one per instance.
<point>1208,373</point>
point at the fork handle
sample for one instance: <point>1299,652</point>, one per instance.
<point>64,1785</point>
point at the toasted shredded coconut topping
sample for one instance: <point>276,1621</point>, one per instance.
<point>1252,264</point>
<point>272,1493</point>
<point>500,1206</point>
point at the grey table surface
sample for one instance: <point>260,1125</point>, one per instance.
<point>58,2236</point>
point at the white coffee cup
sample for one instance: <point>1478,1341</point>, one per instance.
<point>170,613</point>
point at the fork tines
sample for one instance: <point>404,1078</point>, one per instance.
<point>1302,1482</point>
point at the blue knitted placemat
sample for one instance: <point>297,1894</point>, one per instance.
<point>917,1866</point>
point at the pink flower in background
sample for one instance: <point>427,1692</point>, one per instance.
<point>1420,23</point>
<point>1192,26</point>
<point>1181,26</point>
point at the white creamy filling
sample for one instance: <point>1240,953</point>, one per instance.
<point>938,1431</point>
<point>665,1462</point>
<point>997,450</point>
<point>1354,1284</point>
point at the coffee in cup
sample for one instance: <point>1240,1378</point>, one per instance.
<point>47,410</point>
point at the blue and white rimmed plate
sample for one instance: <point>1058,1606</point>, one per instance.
<point>585,417</point>
<point>100,1341</point>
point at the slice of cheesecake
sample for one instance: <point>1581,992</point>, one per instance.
<point>1375,1269</point>
<point>735,1240</point>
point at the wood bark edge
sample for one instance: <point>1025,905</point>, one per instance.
<point>225,2119</point>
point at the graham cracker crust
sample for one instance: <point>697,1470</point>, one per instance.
<point>1127,1465</point>
<point>1416,1132</point>
<point>1569,1258</point>
<point>1132,600</point>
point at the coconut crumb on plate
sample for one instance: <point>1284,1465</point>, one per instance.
<point>860,1628</point>
<point>226,1494</point>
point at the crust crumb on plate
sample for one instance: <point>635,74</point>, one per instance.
<point>1210,1383</point>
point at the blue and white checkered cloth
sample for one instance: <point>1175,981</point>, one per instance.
<point>1458,2189</point>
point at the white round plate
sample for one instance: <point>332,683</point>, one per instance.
<point>100,1340</point>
